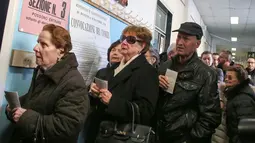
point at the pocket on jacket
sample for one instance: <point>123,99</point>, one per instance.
<point>189,85</point>
<point>191,118</point>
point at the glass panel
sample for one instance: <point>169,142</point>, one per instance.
<point>161,19</point>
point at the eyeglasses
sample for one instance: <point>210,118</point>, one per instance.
<point>130,39</point>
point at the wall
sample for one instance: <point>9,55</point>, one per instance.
<point>4,59</point>
<point>186,10</point>
<point>194,16</point>
<point>179,12</point>
<point>147,12</point>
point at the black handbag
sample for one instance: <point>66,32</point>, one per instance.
<point>112,132</point>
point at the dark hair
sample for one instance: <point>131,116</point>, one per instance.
<point>114,44</point>
<point>228,55</point>
<point>142,33</point>
<point>60,37</point>
<point>205,53</point>
<point>215,54</point>
<point>241,73</point>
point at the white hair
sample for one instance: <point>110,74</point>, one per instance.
<point>171,47</point>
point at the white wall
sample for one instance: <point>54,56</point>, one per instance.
<point>145,9</point>
<point>186,10</point>
<point>179,12</point>
<point>7,45</point>
<point>194,16</point>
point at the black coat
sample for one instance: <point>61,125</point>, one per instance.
<point>193,111</point>
<point>240,104</point>
<point>137,82</point>
<point>60,98</point>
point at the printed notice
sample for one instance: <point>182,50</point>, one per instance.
<point>101,84</point>
<point>12,99</point>
<point>36,13</point>
<point>172,76</point>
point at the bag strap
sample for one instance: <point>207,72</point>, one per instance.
<point>137,113</point>
<point>133,117</point>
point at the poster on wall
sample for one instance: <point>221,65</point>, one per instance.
<point>90,32</point>
<point>36,13</point>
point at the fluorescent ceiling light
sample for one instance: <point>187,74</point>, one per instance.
<point>233,49</point>
<point>234,39</point>
<point>233,54</point>
<point>233,57</point>
<point>234,20</point>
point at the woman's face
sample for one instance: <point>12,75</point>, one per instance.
<point>115,55</point>
<point>131,45</point>
<point>231,79</point>
<point>45,51</point>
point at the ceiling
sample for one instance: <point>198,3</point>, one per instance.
<point>216,15</point>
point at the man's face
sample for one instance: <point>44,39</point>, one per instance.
<point>186,44</point>
<point>251,64</point>
<point>207,59</point>
<point>215,60</point>
<point>222,58</point>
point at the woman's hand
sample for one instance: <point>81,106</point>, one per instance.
<point>105,96</point>
<point>17,113</point>
<point>94,89</point>
<point>8,109</point>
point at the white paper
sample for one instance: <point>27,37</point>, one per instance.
<point>90,32</point>
<point>12,99</point>
<point>101,84</point>
<point>172,76</point>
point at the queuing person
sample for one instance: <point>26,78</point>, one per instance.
<point>207,58</point>
<point>56,105</point>
<point>128,82</point>
<point>192,111</point>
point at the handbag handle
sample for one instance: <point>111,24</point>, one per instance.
<point>135,116</point>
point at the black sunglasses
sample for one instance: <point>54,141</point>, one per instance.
<point>130,39</point>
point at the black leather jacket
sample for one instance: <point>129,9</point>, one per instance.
<point>193,111</point>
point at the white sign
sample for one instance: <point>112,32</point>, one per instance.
<point>172,76</point>
<point>90,33</point>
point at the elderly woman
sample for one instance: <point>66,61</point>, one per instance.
<point>240,100</point>
<point>132,80</point>
<point>56,104</point>
<point>152,57</point>
<point>114,57</point>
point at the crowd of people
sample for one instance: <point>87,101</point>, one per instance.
<point>202,104</point>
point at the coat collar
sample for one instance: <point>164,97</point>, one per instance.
<point>60,69</point>
<point>191,64</point>
<point>127,71</point>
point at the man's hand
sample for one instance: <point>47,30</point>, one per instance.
<point>163,81</point>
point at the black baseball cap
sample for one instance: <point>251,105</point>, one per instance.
<point>191,28</point>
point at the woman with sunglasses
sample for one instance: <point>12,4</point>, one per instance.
<point>132,80</point>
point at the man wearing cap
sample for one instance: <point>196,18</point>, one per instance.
<point>192,111</point>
